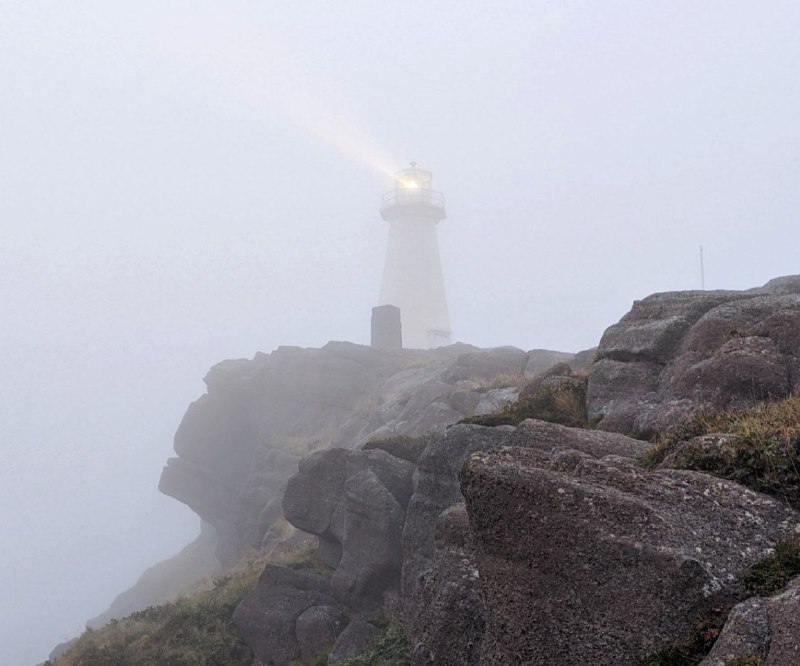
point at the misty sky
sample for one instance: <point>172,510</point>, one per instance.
<point>187,181</point>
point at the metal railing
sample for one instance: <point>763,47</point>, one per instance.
<point>407,196</point>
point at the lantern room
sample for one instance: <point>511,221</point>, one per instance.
<point>413,193</point>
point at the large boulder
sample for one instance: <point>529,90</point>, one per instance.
<point>763,628</point>
<point>356,636</point>
<point>678,352</point>
<point>486,364</point>
<point>355,502</point>
<point>448,625</point>
<point>317,629</point>
<point>441,592</point>
<point>371,552</point>
<point>587,560</point>
<point>436,489</point>
<point>289,615</point>
<point>540,360</point>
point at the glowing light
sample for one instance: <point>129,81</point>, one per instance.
<point>411,184</point>
<point>264,73</point>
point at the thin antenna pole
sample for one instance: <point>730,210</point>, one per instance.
<point>702,271</point>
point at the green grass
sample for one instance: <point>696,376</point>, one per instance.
<point>771,575</point>
<point>193,631</point>
<point>762,451</point>
<point>305,558</point>
<point>758,447</point>
<point>390,649</point>
<point>565,404</point>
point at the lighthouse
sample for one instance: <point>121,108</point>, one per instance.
<point>412,275</point>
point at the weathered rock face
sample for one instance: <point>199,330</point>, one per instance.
<point>355,502</point>
<point>289,615</point>
<point>441,591</point>
<point>766,628</point>
<point>677,352</point>
<point>356,636</point>
<point>239,443</point>
<point>360,505</point>
<point>448,625</point>
<point>436,489</point>
<point>588,560</point>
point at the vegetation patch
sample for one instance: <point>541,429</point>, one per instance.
<point>690,651</point>
<point>502,380</point>
<point>390,649</point>
<point>404,447</point>
<point>193,631</point>
<point>771,575</point>
<point>765,578</point>
<point>758,447</point>
<point>303,557</point>
<point>748,660</point>
<point>561,400</point>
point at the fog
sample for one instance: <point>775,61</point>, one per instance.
<point>184,182</point>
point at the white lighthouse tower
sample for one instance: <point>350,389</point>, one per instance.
<point>412,277</point>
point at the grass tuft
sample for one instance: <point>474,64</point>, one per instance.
<point>760,447</point>
<point>390,649</point>
<point>303,557</point>
<point>690,651</point>
<point>405,447</point>
<point>502,380</point>
<point>770,575</point>
<point>563,403</point>
<point>192,631</point>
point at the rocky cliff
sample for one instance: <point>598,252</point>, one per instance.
<point>239,443</point>
<point>532,543</point>
<point>541,544</point>
<point>675,353</point>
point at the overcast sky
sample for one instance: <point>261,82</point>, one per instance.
<point>187,181</point>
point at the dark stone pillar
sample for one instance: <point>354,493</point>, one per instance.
<point>386,327</point>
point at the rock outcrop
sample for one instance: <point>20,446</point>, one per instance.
<point>761,628</point>
<point>528,544</point>
<point>594,561</point>
<point>441,589</point>
<point>355,502</point>
<point>238,444</point>
<point>356,636</point>
<point>289,615</point>
<point>678,352</point>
